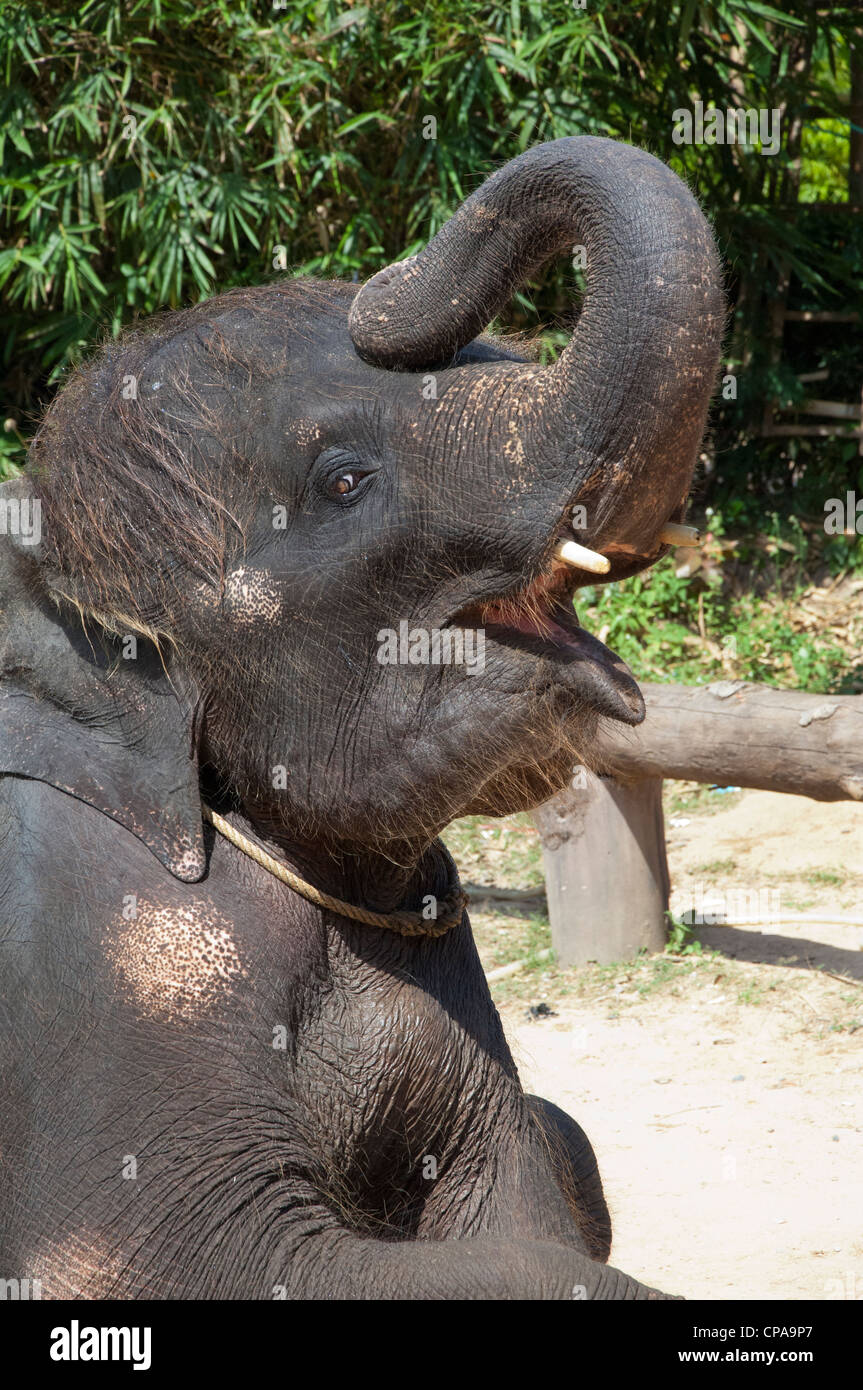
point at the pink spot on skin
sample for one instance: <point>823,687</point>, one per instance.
<point>174,962</point>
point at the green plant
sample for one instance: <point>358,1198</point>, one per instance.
<point>670,627</point>
<point>716,867</point>
<point>681,938</point>
<point>835,878</point>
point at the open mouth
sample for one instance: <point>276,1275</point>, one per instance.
<point>540,618</point>
<point>541,610</point>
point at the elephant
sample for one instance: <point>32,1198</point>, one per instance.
<point>248,1048</point>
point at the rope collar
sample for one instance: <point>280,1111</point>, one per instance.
<point>449,909</point>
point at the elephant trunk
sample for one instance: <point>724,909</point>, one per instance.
<point>617,421</point>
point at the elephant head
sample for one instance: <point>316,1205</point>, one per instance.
<point>261,513</point>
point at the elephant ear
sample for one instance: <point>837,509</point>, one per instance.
<point>77,713</point>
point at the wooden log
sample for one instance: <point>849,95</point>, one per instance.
<point>835,410</point>
<point>771,431</point>
<point>746,735</point>
<point>819,315</point>
<point>606,874</point>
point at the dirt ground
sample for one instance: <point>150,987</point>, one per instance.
<point>721,1091</point>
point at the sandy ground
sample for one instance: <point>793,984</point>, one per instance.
<point>726,1107</point>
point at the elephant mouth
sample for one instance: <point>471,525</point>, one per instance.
<point>539,620</point>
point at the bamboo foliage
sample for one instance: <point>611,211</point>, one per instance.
<point>152,152</point>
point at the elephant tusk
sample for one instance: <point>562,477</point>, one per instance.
<point>582,558</point>
<point>672,534</point>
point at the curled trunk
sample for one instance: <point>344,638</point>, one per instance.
<point>622,411</point>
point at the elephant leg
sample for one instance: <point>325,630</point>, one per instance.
<point>575,1169</point>
<point>338,1264</point>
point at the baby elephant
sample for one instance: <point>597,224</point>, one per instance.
<point>285,588</point>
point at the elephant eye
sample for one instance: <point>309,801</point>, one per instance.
<point>343,484</point>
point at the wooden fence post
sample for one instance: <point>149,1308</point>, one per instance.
<point>606,874</point>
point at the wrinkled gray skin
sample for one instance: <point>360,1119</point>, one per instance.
<point>210,1087</point>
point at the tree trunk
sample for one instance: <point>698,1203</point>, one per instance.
<point>606,875</point>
